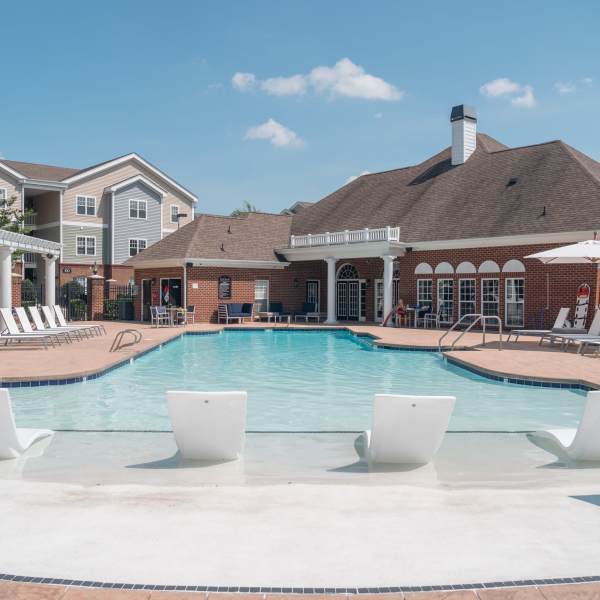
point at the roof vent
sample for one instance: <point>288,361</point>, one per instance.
<point>464,133</point>
<point>512,181</point>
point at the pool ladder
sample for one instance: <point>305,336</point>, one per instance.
<point>477,318</point>
<point>118,341</point>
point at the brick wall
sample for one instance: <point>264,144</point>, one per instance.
<point>95,298</point>
<point>120,273</point>
<point>16,289</point>
<point>154,275</point>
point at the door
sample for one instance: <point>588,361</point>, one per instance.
<point>146,298</point>
<point>379,300</point>
<point>313,292</point>
<point>348,300</point>
<point>170,292</point>
<point>261,295</point>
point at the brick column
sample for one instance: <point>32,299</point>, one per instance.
<point>95,298</point>
<point>16,289</point>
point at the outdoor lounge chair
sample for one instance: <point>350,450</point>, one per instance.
<point>566,339</point>
<point>235,311</point>
<point>309,311</point>
<point>49,314</point>
<point>38,321</point>
<point>559,323</point>
<point>406,429</point>
<point>581,444</point>
<point>62,322</point>
<point>14,441</point>
<point>208,425</point>
<point>27,328</point>
<point>13,333</point>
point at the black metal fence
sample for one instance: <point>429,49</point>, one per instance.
<point>32,294</point>
<point>72,297</point>
<point>119,302</point>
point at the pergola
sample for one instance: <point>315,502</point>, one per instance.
<point>11,242</point>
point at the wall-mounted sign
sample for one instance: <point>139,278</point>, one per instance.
<point>66,269</point>
<point>194,286</point>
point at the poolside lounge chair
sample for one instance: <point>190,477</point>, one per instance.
<point>235,311</point>
<point>14,441</point>
<point>559,323</point>
<point>208,425</point>
<point>38,321</point>
<point>581,444</point>
<point>13,333</point>
<point>566,339</point>
<point>309,311</point>
<point>27,328</point>
<point>62,322</point>
<point>406,429</point>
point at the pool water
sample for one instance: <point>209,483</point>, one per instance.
<point>296,381</point>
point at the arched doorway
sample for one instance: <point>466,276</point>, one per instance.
<point>348,293</point>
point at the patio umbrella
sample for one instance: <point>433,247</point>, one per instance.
<point>580,253</point>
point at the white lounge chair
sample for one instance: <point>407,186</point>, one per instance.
<point>27,328</point>
<point>13,441</point>
<point>208,425</point>
<point>13,333</point>
<point>559,323</point>
<point>581,444</point>
<point>52,324</point>
<point>567,339</point>
<point>38,321</point>
<point>62,322</point>
<point>406,429</point>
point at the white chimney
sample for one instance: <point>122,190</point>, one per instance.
<point>464,133</point>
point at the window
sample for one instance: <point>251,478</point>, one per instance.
<point>3,196</point>
<point>224,287</point>
<point>445,298</point>
<point>490,297</point>
<point>136,245</point>
<point>313,292</point>
<point>86,245</point>
<point>86,205</point>
<point>424,292</point>
<point>515,302</point>
<point>347,272</point>
<point>174,213</point>
<point>261,295</point>
<point>137,209</point>
<point>466,298</point>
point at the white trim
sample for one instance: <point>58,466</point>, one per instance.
<point>118,161</point>
<point>60,216</point>
<point>318,282</point>
<point>138,200</point>
<point>444,268</point>
<point>268,298</point>
<point>112,228</point>
<point>241,264</point>
<point>73,224</point>
<point>481,300</point>
<point>377,281</point>
<point>506,303</point>
<point>86,238</point>
<point>513,266</point>
<point>5,190</point>
<point>423,268</point>
<point>86,198</point>
<point>10,171</point>
<point>20,241</point>
<point>42,184</point>
<point>460,300</point>
<point>466,267</point>
<point>341,252</point>
<point>169,230</point>
<point>171,206</point>
<point>489,266</point>
<point>137,179</point>
<point>430,279</point>
<point>138,240</point>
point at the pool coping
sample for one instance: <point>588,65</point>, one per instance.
<point>378,343</point>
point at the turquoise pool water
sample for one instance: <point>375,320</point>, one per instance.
<point>296,381</point>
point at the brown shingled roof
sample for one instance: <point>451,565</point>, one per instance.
<point>248,236</point>
<point>37,171</point>
<point>437,201</point>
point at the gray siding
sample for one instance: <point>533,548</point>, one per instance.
<point>70,233</point>
<point>125,228</point>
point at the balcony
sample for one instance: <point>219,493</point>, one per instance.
<point>347,237</point>
<point>30,220</point>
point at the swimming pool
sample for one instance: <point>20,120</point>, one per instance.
<point>296,380</point>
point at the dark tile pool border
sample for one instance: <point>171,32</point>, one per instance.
<point>300,590</point>
<point>370,337</point>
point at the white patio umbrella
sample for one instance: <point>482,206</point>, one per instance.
<point>580,253</point>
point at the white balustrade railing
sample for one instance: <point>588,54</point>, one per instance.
<point>29,258</point>
<point>337,238</point>
<point>30,219</point>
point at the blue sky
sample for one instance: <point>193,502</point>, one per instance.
<point>327,90</point>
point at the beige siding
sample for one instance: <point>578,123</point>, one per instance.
<point>70,233</point>
<point>11,186</point>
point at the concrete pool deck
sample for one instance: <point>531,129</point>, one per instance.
<point>524,359</point>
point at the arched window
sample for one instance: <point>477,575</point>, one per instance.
<point>466,267</point>
<point>423,269</point>
<point>444,268</point>
<point>347,272</point>
<point>513,266</point>
<point>489,266</point>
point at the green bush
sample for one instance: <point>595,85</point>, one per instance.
<point>111,310</point>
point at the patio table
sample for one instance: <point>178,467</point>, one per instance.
<point>174,313</point>
<point>267,315</point>
<point>310,315</point>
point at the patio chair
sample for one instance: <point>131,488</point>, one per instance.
<point>235,311</point>
<point>559,323</point>
<point>309,310</point>
<point>38,321</point>
<point>566,339</point>
<point>277,308</point>
<point>13,333</point>
<point>62,322</point>
<point>581,444</point>
<point>14,441</point>
<point>406,429</point>
<point>25,323</point>
<point>421,315</point>
<point>208,426</point>
<point>159,316</point>
<point>190,314</point>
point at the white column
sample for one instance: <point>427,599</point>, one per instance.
<point>50,279</point>
<point>331,317</point>
<point>388,277</point>
<point>5,277</point>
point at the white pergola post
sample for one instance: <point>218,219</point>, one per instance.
<point>5,277</point>
<point>50,279</point>
<point>388,279</point>
<point>331,316</point>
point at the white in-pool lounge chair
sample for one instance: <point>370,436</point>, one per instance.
<point>13,333</point>
<point>62,322</point>
<point>13,441</point>
<point>38,321</point>
<point>581,444</point>
<point>406,429</point>
<point>559,323</point>
<point>208,426</point>
<point>23,319</point>
<point>566,339</point>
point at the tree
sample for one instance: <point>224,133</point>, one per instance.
<point>247,207</point>
<point>12,218</point>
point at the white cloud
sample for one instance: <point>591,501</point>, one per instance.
<point>276,133</point>
<point>587,80</point>
<point>284,86</point>
<point>344,79</point>
<point>243,81</point>
<point>565,87</point>
<point>520,95</point>
<point>353,177</point>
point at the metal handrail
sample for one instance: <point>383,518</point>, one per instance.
<point>478,317</point>
<point>117,342</point>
